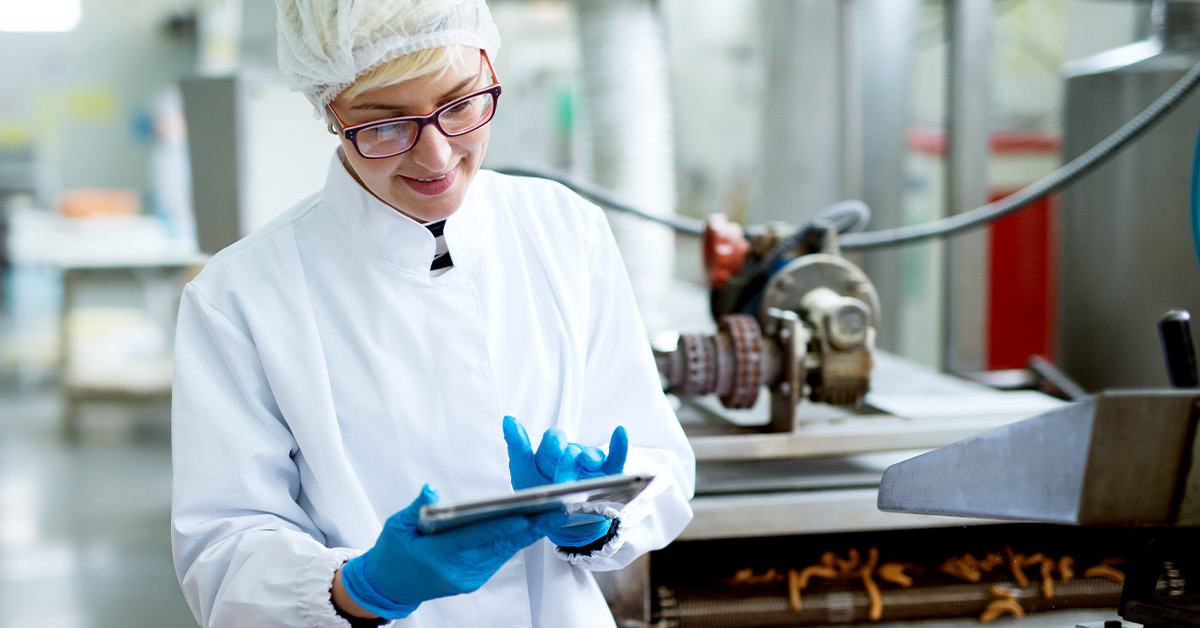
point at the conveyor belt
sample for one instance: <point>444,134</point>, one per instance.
<point>716,607</point>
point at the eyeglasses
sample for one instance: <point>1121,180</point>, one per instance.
<point>396,136</point>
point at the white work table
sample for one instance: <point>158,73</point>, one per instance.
<point>96,250</point>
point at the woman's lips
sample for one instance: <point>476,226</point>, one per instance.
<point>431,187</point>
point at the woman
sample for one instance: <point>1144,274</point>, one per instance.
<point>375,342</point>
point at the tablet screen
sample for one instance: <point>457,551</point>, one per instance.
<point>613,490</point>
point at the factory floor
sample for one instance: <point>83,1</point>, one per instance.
<point>84,527</point>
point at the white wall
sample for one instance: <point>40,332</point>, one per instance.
<point>83,96</point>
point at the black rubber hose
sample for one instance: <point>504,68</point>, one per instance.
<point>596,194</point>
<point>841,217</point>
<point>847,216</point>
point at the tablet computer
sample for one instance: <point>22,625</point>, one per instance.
<point>612,490</point>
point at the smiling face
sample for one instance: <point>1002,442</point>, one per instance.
<point>428,182</point>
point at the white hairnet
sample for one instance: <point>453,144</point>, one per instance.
<point>325,45</point>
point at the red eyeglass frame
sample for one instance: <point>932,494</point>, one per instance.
<point>351,132</point>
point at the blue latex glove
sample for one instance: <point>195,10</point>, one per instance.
<point>558,461</point>
<point>406,567</point>
<point>580,529</point>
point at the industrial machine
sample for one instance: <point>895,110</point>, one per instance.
<point>793,316</point>
<point>1121,459</point>
<point>814,482</point>
<point>794,415</point>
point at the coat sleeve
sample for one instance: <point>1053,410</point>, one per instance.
<point>622,387</point>
<point>245,552</point>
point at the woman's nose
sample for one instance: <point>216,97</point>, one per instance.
<point>432,150</point>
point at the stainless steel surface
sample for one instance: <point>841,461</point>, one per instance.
<point>796,474</point>
<point>800,512</point>
<point>237,127</point>
<point>909,407</point>
<point>879,432</point>
<point>968,126</point>
<point>1116,459</point>
<point>1126,254</point>
<point>1176,22</point>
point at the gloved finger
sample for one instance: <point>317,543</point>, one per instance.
<point>550,450</point>
<point>568,468</point>
<point>618,450</point>
<point>521,467</point>
<point>506,532</point>
<point>408,517</point>
<point>515,437</point>
<point>590,458</point>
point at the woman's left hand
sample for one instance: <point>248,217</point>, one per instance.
<point>557,460</point>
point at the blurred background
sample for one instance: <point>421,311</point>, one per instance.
<point>138,137</point>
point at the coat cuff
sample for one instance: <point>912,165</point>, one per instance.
<point>601,548</point>
<point>316,582</point>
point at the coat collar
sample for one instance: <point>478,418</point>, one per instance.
<point>393,236</point>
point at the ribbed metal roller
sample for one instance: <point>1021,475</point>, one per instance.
<point>719,607</point>
<point>699,363</point>
<point>745,367</point>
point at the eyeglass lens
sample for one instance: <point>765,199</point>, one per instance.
<point>394,138</point>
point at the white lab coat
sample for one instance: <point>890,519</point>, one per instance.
<point>322,377</point>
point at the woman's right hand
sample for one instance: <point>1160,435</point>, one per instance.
<point>406,567</point>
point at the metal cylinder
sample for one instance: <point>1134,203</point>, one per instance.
<point>1125,245</point>
<point>1176,22</point>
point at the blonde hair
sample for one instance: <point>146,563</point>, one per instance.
<point>408,67</point>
